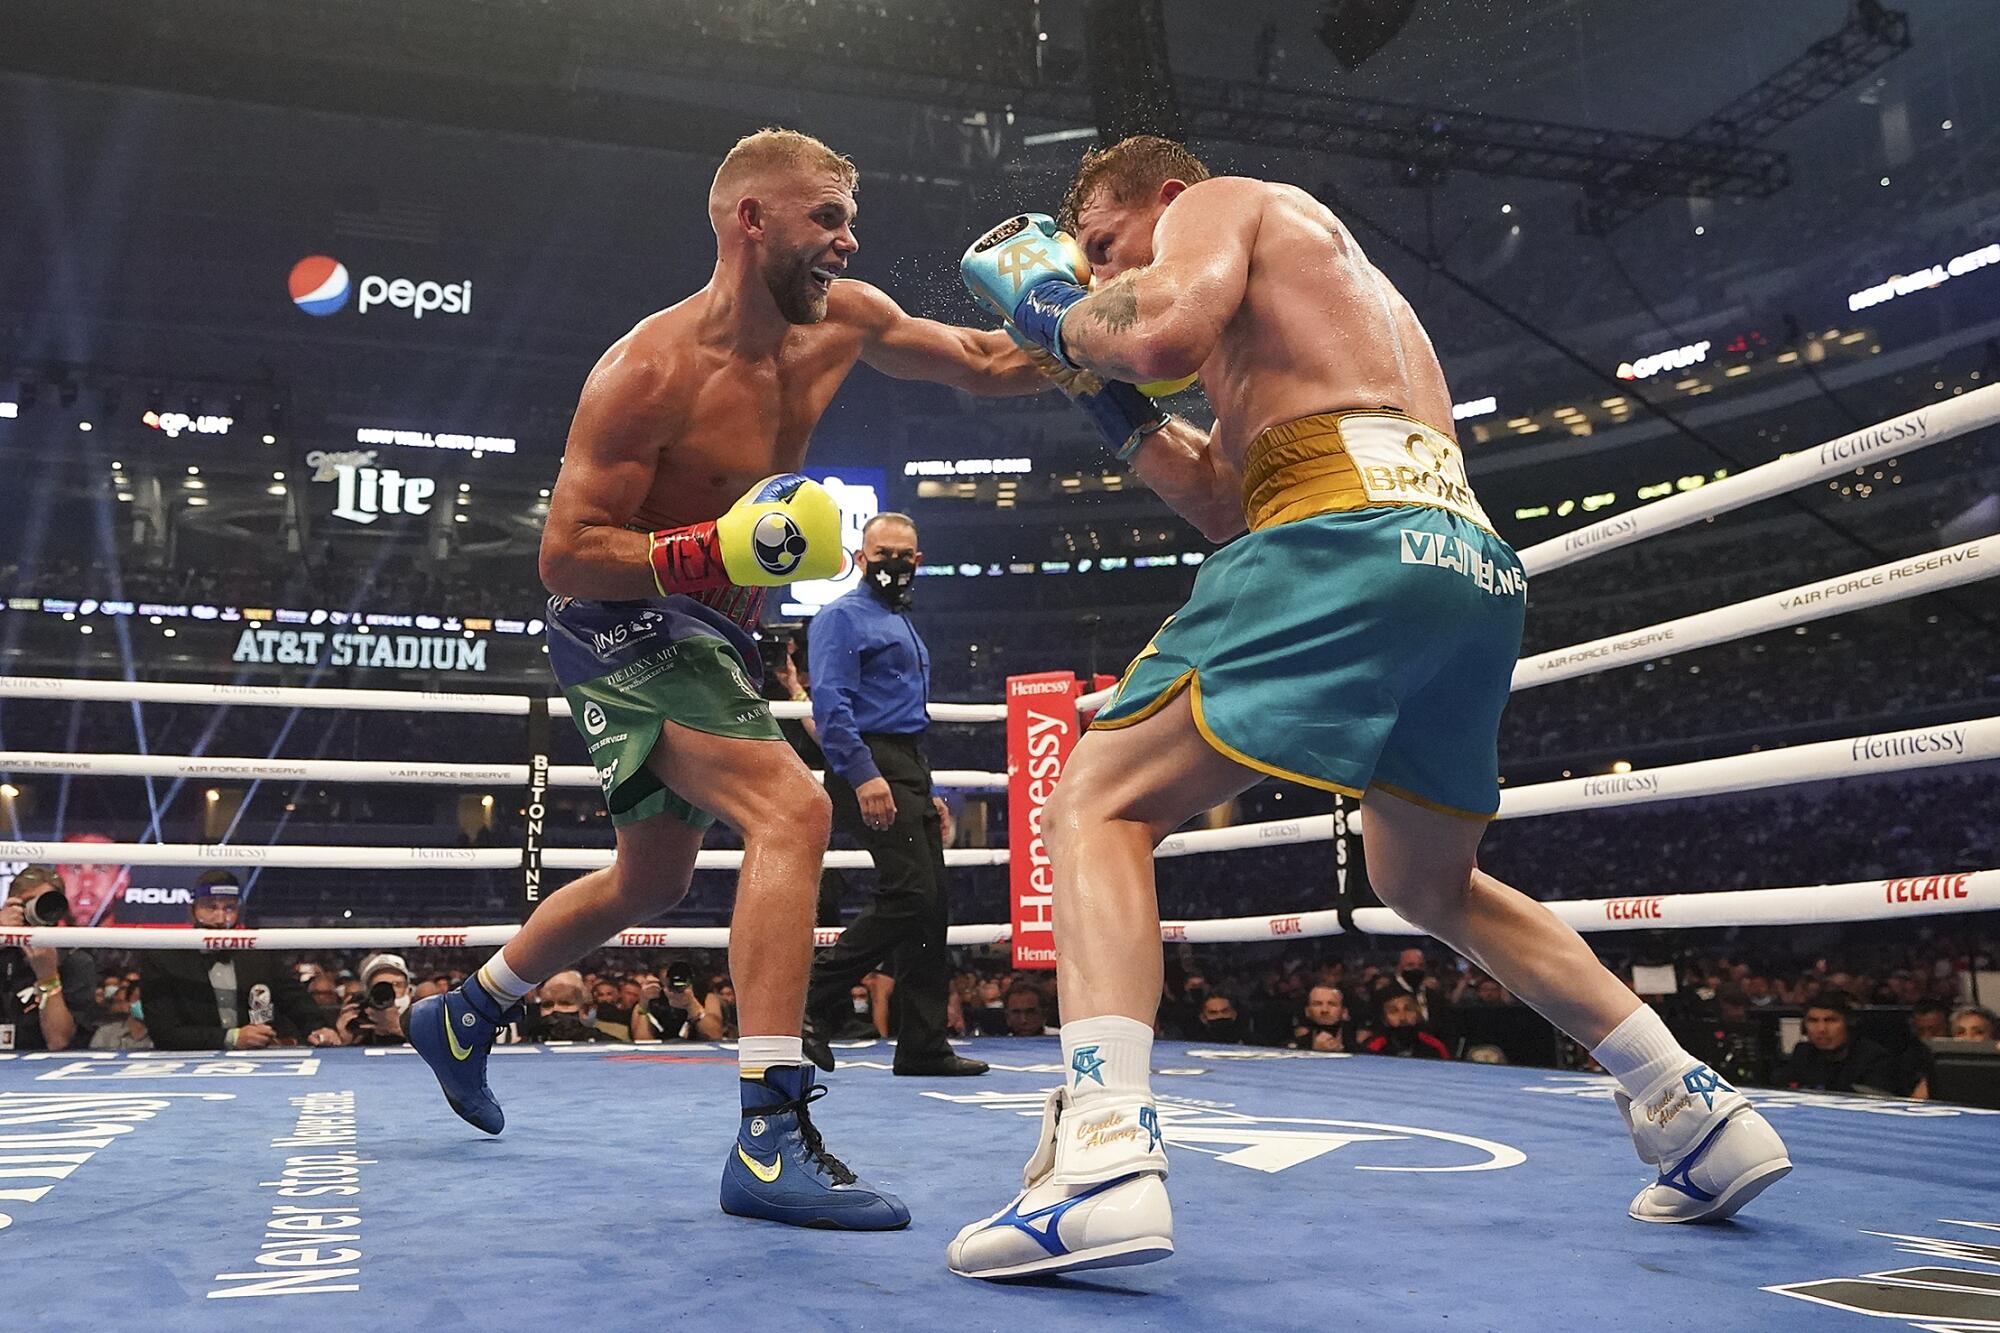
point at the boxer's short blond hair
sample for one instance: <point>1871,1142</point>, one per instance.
<point>1129,170</point>
<point>774,149</point>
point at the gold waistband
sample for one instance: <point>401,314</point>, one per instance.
<point>1302,468</point>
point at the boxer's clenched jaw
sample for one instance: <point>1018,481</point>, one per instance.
<point>806,245</point>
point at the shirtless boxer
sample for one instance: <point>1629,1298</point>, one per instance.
<point>657,569</point>
<point>1359,639</point>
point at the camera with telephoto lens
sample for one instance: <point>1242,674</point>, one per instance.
<point>776,642</point>
<point>47,908</point>
<point>382,995</point>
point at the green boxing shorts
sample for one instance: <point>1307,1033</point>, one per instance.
<point>1366,647</point>
<point>627,668</point>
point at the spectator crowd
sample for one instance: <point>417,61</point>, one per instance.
<point>1864,1016</point>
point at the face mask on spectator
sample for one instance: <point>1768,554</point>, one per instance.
<point>892,580</point>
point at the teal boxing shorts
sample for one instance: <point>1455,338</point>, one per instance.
<point>1365,647</point>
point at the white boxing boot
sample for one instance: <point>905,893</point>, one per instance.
<point>1094,1196</point>
<point>1713,1151</point>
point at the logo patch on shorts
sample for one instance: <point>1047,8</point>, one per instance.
<point>594,720</point>
<point>1446,551</point>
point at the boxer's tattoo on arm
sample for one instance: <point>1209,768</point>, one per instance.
<point>1116,308</point>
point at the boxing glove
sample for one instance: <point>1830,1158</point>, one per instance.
<point>1030,274</point>
<point>782,530</point>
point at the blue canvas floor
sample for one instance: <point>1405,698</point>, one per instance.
<point>1309,1191</point>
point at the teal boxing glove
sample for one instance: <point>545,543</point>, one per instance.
<point>1030,274</point>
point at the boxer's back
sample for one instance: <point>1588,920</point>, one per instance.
<point>1320,329</point>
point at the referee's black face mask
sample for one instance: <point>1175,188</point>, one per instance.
<point>892,579</point>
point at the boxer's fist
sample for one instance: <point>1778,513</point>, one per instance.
<point>785,528</point>
<point>1030,274</point>
<point>1122,414</point>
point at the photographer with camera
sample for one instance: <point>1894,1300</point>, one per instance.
<point>675,1012</point>
<point>375,1016</point>
<point>233,1000</point>
<point>47,996</point>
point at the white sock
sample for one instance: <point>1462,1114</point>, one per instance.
<point>756,1054</point>
<point>1107,1054</point>
<point>1640,1052</point>
<point>498,980</point>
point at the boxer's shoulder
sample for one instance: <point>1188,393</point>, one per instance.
<point>861,306</point>
<point>653,366</point>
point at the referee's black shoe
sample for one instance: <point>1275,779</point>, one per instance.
<point>946,1064</point>
<point>815,1047</point>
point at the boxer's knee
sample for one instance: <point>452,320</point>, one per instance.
<point>654,866</point>
<point>646,891</point>
<point>1434,902</point>
<point>1072,812</point>
<point>795,814</point>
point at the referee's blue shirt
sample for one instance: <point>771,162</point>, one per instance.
<point>870,673</point>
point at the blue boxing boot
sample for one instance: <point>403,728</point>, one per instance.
<point>780,1171</point>
<point>454,1032</point>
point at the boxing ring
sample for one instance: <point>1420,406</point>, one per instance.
<point>1387,1191</point>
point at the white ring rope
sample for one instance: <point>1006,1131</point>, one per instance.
<point>939,712</point>
<point>308,857</point>
<point>1810,904</point>
<point>1947,567</point>
<point>402,937</point>
<point>361,770</point>
<point>259,696</point>
<point>1940,421</point>
<point>405,701</point>
<point>1820,761</point>
<point>1883,752</point>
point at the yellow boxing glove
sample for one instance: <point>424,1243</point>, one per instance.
<point>783,530</point>
<point>1165,388</point>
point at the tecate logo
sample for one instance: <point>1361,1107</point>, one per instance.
<point>320,286</point>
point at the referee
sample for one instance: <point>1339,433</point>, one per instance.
<point>871,682</point>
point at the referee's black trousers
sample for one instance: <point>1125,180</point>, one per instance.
<point>903,926</point>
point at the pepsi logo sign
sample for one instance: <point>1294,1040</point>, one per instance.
<point>320,285</point>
